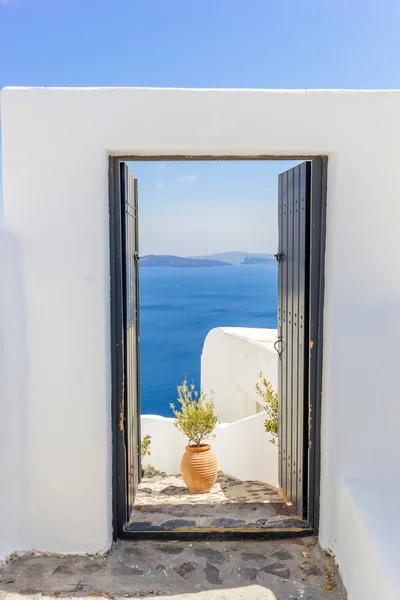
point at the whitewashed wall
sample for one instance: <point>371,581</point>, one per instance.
<point>231,361</point>
<point>14,459</point>
<point>243,448</point>
<point>55,145</point>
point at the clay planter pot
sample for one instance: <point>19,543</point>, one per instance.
<point>199,468</point>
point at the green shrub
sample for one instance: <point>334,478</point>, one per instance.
<point>265,391</point>
<point>145,446</point>
<point>195,418</point>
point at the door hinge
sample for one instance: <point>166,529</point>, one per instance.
<point>136,256</point>
<point>278,257</point>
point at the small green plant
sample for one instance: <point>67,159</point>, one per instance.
<point>265,390</point>
<point>145,446</point>
<point>195,418</point>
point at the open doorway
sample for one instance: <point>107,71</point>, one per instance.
<point>279,314</point>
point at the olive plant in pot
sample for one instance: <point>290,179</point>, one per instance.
<point>195,418</point>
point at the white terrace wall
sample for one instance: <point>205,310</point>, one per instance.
<point>242,448</point>
<point>231,361</point>
<point>55,396</point>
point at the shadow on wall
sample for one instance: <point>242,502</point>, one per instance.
<point>13,404</point>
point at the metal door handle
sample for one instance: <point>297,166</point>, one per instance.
<point>278,341</point>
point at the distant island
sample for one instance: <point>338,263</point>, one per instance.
<point>258,260</point>
<point>242,258</point>
<point>223,259</point>
<point>166,260</point>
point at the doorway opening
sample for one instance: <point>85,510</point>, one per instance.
<point>262,489</point>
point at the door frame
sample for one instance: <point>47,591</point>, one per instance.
<point>317,235</point>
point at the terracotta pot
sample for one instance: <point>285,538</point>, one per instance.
<point>199,468</point>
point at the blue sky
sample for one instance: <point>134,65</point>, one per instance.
<point>192,208</point>
<point>202,43</point>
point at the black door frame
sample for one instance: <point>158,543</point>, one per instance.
<point>317,235</point>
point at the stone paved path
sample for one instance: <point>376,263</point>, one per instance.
<point>163,503</point>
<point>271,570</point>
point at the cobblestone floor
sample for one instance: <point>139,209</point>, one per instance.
<point>163,502</point>
<point>270,570</point>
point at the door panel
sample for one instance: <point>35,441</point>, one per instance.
<point>293,285</point>
<point>131,329</point>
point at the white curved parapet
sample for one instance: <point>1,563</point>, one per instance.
<point>231,360</point>
<point>243,448</point>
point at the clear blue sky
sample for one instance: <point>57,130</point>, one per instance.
<point>202,43</point>
<point>193,208</point>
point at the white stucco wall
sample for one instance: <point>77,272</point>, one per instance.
<point>366,537</point>
<point>231,361</point>
<point>55,145</point>
<point>14,459</point>
<point>243,448</point>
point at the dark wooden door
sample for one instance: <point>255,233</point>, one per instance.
<point>293,310</point>
<point>130,262</point>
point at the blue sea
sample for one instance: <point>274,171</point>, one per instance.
<point>179,306</point>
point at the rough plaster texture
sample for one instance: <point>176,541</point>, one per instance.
<point>55,147</point>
